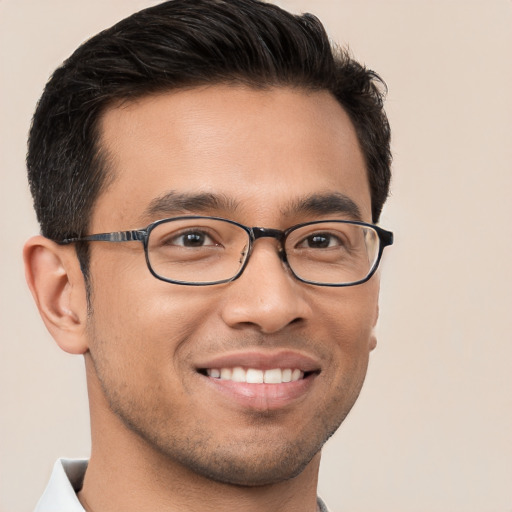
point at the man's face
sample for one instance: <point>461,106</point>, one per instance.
<point>261,154</point>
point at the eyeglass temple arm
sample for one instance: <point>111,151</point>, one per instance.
<point>138,235</point>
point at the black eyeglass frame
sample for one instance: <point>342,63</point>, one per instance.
<point>142,235</point>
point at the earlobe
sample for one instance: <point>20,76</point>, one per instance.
<point>373,341</point>
<point>54,277</point>
<point>373,336</point>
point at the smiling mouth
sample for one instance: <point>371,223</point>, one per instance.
<point>255,375</point>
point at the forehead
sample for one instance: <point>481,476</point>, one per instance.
<point>260,150</point>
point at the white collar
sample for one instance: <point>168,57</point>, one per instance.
<point>60,493</point>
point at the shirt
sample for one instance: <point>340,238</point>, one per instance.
<point>66,480</point>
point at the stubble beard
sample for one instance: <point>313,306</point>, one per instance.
<point>249,462</point>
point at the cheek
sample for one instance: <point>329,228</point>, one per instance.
<point>140,319</point>
<point>137,342</point>
<point>351,314</point>
<point>349,323</point>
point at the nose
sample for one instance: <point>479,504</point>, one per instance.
<point>266,296</point>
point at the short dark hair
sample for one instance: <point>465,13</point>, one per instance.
<point>180,44</point>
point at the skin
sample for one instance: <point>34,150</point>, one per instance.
<point>164,437</point>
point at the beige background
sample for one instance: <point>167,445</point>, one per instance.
<point>432,429</point>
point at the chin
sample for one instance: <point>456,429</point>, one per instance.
<point>252,471</point>
<point>252,461</point>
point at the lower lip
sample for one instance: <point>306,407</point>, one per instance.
<point>262,397</point>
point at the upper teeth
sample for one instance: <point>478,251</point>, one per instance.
<point>255,376</point>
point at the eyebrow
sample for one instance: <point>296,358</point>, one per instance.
<point>174,203</point>
<point>333,203</point>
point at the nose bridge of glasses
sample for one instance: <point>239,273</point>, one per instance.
<point>279,235</point>
<point>267,233</point>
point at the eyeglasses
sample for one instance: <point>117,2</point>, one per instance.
<point>196,250</point>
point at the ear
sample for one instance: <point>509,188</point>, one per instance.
<point>373,336</point>
<point>57,284</point>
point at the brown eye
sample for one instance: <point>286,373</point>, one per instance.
<point>192,239</point>
<point>320,241</point>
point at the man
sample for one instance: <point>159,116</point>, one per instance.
<point>207,176</point>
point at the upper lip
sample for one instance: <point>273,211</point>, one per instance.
<point>262,360</point>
